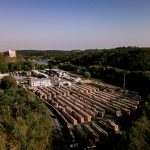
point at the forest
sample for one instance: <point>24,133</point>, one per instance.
<point>24,120</point>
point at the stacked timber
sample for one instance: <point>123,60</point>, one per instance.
<point>44,90</point>
<point>66,105</point>
<point>77,109</point>
<point>91,133</point>
<point>100,110</point>
<point>51,101</point>
<point>55,104</point>
<point>133,102</point>
<point>92,102</point>
<point>62,92</point>
<point>84,103</point>
<point>86,90</point>
<point>80,106</point>
<point>110,106</point>
<point>103,124</point>
<point>68,109</point>
<point>114,104</point>
<point>112,125</point>
<point>89,88</point>
<point>103,103</point>
<point>41,94</point>
<point>122,102</point>
<point>80,132</point>
<point>78,116</point>
<point>74,114</point>
<point>78,89</point>
<point>69,117</point>
<point>51,92</point>
<point>98,129</point>
<point>81,88</point>
<point>63,89</point>
<point>54,90</point>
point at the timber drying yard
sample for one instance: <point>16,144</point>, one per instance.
<point>89,110</point>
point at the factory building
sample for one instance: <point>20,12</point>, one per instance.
<point>58,72</point>
<point>40,82</point>
<point>40,74</point>
<point>3,75</point>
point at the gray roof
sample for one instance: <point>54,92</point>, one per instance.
<point>40,79</point>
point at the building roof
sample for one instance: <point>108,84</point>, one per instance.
<point>40,79</point>
<point>58,70</point>
<point>12,49</point>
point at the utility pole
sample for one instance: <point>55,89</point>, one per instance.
<point>124,80</point>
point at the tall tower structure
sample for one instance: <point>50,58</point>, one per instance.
<point>12,52</point>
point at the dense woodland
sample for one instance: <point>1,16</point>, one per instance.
<point>108,65</point>
<point>24,120</point>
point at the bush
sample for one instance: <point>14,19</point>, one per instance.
<point>8,82</point>
<point>87,74</point>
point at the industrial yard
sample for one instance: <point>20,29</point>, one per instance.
<point>88,109</point>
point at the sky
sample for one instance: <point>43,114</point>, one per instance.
<point>74,24</point>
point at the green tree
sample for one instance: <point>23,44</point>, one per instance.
<point>20,129</point>
<point>50,65</point>
<point>3,68</point>
<point>11,67</point>
<point>87,74</point>
<point>8,82</point>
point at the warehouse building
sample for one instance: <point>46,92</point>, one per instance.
<point>40,82</point>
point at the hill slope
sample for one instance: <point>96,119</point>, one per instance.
<point>24,122</point>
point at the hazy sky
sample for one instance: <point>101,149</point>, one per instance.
<point>74,24</point>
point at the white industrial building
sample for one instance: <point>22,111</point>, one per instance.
<point>37,73</point>
<point>58,72</point>
<point>12,53</point>
<point>3,75</point>
<point>72,79</point>
<point>40,82</point>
